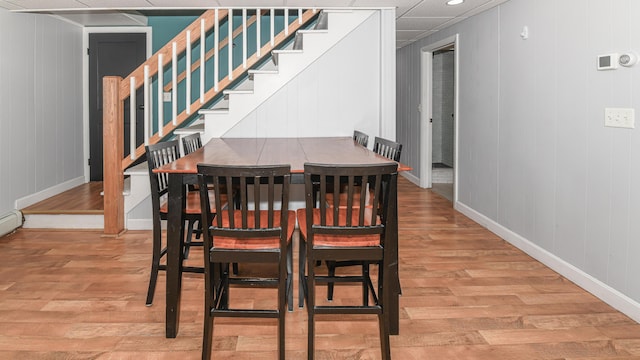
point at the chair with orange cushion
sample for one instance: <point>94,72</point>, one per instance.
<point>259,230</point>
<point>158,155</point>
<point>352,230</point>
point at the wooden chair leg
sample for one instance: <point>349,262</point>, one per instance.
<point>311,304</point>
<point>331,271</point>
<point>187,242</point>
<point>301,272</point>
<point>289,282</point>
<point>155,267</point>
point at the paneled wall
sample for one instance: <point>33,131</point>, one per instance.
<point>339,92</point>
<point>536,163</point>
<point>40,105</point>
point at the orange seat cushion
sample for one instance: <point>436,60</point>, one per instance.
<point>338,240</point>
<point>224,242</point>
<point>192,204</point>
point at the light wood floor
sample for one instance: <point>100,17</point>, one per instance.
<point>82,199</point>
<point>467,294</point>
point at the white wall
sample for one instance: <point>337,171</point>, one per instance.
<point>40,106</point>
<point>339,92</point>
<point>536,163</point>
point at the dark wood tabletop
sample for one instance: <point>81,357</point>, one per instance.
<point>268,151</point>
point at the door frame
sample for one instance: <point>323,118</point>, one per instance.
<point>426,110</point>
<point>85,80</point>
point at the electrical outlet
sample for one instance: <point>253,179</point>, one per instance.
<point>619,117</point>
<point>166,96</point>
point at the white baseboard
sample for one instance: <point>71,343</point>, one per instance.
<point>63,221</point>
<point>23,202</point>
<point>596,287</point>
<point>414,179</point>
<point>140,224</point>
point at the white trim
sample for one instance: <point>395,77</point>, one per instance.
<point>23,202</point>
<point>387,121</point>
<point>85,80</point>
<point>141,224</point>
<point>425,116</point>
<point>594,286</point>
<point>63,221</point>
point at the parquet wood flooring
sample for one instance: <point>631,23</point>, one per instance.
<point>467,294</point>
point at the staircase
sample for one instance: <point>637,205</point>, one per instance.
<point>219,110</point>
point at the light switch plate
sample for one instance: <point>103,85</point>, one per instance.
<point>166,96</point>
<point>619,117</point>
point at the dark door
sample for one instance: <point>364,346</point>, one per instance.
<point>116,54</point>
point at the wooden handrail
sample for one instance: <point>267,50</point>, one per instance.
<point>116,90</point>
<point>210,53</point>
<point>223,84</point>
<point>167,50</point>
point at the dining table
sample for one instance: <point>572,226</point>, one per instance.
<point>263,151</point>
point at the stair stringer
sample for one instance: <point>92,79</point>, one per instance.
<point>290,64</point>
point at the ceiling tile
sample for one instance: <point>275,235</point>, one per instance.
<point>439,8</point>
<point>313,3</point>
<point>9,6</point>
<point>402,6</point>
<point>104,18</point>
<point>200,4</point>
<point>251,3</point>
<point>408,34</point>
<point>422,23</point>
<point>117,4</point>
<point>48,4</point>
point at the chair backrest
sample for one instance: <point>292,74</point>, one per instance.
<point>387,148</point>
<point>158,155</point>
<point>191,143</point>
<point>262,198</point>
<point>367,187</point>
<point>361,138</point>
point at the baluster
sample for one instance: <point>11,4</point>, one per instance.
<point>160,95</point>
<point>300,16</point>
<point>286,21</point>
<point>132,118</point>
<point>187,104</point>
<point>230,43</point>
<point>216,43</point>
<point>202,59</point>
<point>147,105</point>
<point>258,40</point>
<point>244,38</point>
<point>174,84</point>
<point>273,24</point>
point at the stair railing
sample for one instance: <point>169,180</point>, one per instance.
<point>172,74</point>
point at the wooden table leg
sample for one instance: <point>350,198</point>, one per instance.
<point>392,237</point>
<point>174,254</point>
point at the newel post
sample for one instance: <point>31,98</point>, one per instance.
<point>113,149</point>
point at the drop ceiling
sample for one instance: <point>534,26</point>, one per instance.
<point>415,19</point>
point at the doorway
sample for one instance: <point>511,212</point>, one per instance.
<point>439,99</point>
<point>115,54</point>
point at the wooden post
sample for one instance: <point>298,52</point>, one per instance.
<point>113,152</point>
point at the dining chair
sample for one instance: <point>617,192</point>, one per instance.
<point>387,148</point>
<point>353,230</point>
<point>258,231</point>
<point>191,143</point>
<point>391,150</point>
<point>361,138</point>
<point>158,155</point>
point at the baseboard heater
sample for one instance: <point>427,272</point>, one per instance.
<point>10,221</point>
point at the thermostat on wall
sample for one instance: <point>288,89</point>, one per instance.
<point>608,62</point>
